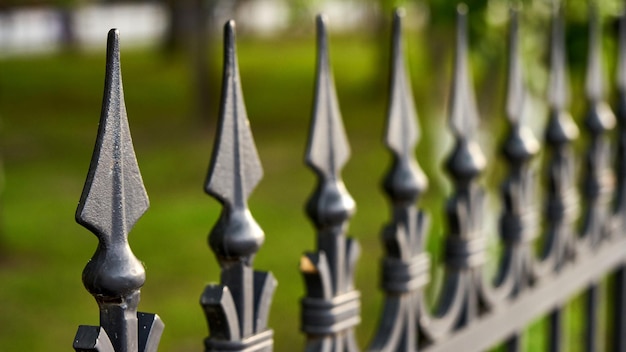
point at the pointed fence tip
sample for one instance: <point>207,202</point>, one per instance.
<point>235,168</point>
<point>461,9</point>
<point>516,90</point>
<point>594,82</point>
<point>402,130</point>
<point>114,34</point>
<point>321,21</point>
<point>229,32</point>
<point>559,82</point>
<point>463,111</point>
<point>114,185</point>
<point>399,13</point>
<point>327,148</point>
<point>621,66</point>
<point>229,42</point>
<point>113,47</point>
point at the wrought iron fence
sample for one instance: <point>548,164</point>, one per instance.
<point>474,311</point>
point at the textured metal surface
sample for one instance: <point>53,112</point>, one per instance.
<point>112,201</point>
<point>331,307</point>
<point>237,309</point>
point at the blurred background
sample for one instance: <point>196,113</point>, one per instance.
<point>51,80</point>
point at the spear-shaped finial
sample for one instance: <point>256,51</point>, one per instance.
<point>328,148</point>
<point>467,160</point>
<point>406,180</point>
<point>237,309</point>
<point>594,81</point>
<point>112,201</point>
<point>235,167</point>
<point>561,128</point>
<point>516,93</point>
<point>520,144</point>
<point>558,93</point>
<point>600,118</point>
<point>621,59</point>
<point>463,111</point>
<point>329,272</point>
<point>114,184</point>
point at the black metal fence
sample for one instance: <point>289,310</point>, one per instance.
<point>580,236</point>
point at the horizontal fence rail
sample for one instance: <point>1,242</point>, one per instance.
<point>579,231</point>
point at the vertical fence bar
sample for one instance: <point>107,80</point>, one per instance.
<point>517,228</point>
<point>619,290</point>
<point>406,265</point>
<point>619,315</point>
<point>112,201</point>
<point>592,303</point>
<point>599,181</point>
<point>555,337</point>
<point>465,242</point>
<point>236,310</point>
<point>331,308</point>
<point>562,204</point>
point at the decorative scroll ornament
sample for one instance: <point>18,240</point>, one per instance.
<point>112,201</point>
<point>237,310</point>
<point>331,308</point>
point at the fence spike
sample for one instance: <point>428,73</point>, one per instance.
<point>561,206</point>
<point>620,112</point>
<point>112,201</point>
<point>463,111</point>
<point>562,199</point>
<point>406,181</point>
<point>235,169</point>
<point>329,321</point>
<point>599,120</point>
<point>406,265</point>
<point>516,92</point>
<point>465,242</point>
<point>468,160</point>
<point>558,91</point>
<point>235,166</point>
<point>594,81</point>
<point>237,309</point>
<point>328,148</point>
<point>517,222</point>
<point>621,55</point>
<point>598,178</point>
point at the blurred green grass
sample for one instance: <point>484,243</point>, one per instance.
<point>50,110</point>
<point>50,107</point>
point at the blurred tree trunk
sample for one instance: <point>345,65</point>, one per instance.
<point>175,33</point>
<point>69,39</point>
<point>189,32</point>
